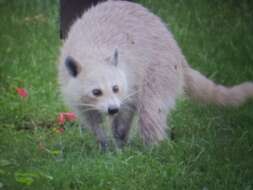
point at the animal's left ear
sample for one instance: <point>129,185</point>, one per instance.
<point>115,60</point>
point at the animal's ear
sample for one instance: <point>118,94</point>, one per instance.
<point>115,60</point>
<point>72,66</point>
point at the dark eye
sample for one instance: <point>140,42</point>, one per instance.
<point>115,88</point>
<point>97,92</point>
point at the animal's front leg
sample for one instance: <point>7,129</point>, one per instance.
<point>121,125</point>
<point>94,119</point>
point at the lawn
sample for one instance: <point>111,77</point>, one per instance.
<point>213,146</point>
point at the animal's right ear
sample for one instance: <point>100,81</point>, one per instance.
<point>73,67</point>
<point>115,58</point>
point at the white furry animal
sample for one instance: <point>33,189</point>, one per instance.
<point>120,58</point>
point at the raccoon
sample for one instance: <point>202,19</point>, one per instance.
<point>120,59</point>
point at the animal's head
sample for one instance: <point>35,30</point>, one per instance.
<point>100,87</point>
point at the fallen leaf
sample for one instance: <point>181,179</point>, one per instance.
<point>55,152</point>
<point>25,178</point>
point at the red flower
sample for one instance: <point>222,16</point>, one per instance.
<point>70,116</point>
<point>22,92</point>
<point>61,119</point>
<point>66,116</point>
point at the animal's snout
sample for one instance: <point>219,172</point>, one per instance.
<point>113,110</point>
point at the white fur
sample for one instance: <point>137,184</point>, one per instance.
<point>151,72</point>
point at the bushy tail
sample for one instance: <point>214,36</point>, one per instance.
<point>202,89</point>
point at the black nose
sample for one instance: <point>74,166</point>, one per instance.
<point>113,110</point>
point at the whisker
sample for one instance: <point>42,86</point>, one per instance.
<point>130,95</point>
<point>129,108</point>
<point>84,104</point>
<point>91,109</point>
<point>88,105</point>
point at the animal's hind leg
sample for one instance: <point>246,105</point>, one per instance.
<point>152,120</point>
<point>160,87</point>
<point>121,125</point>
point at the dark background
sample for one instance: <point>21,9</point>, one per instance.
<point>70,10</point>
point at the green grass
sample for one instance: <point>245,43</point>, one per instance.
<point>213,148</point>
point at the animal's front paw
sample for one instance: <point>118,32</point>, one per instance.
<point>103,146</point>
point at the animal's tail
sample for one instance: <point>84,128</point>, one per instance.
<point>202,89</point>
